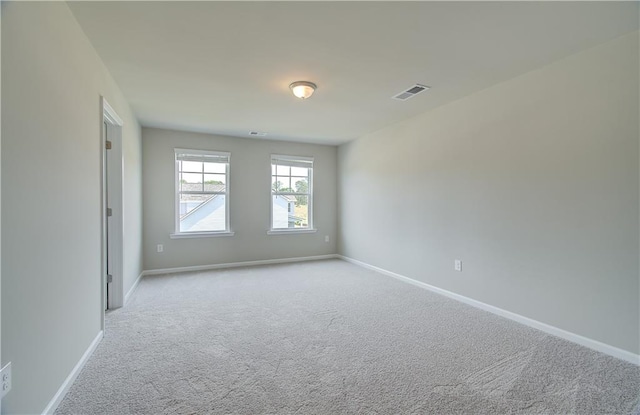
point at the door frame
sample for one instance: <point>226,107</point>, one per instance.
<point>112,184</point>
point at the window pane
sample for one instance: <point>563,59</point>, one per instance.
<point>200,213</point>
<point>192,166</point>
<point>281,184</point>
<point>299,171</point>
<point>276,185</point>
<point>215,179</point>
<point>215,168</point>
<point>300,184</point>
<point>215,187</point>
<point>283,170</point>
<point>191,178</point>
<point>290,212</point>
<point>191,187</point>
<point>273,169</point>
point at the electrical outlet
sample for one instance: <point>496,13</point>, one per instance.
<point>457,265</point>
<point>160,248</point>
<point>326,238</point>
<point>5,380</point>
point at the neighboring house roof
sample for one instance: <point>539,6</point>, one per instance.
<point>205,216</point>
<point>197,187</point>
<point>289,198</point>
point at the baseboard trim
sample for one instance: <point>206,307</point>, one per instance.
<point>127,297</point>
<point>59,396</point>
<point>555,331</point>
<point>236,264</point>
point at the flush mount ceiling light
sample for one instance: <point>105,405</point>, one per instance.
<point>303,89</point>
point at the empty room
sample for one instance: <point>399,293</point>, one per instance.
<point>319,207</point>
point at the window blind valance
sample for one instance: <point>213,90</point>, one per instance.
<point>203,156</point>
<point>292,161</point>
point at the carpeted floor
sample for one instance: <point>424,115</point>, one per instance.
<point>329,337</point>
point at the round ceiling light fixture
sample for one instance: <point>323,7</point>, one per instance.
<point>303,89</point>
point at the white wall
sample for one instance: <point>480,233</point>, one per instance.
<point>51,297</point>
<point>250,186</point>
<point>533,183</point>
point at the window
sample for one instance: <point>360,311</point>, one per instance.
<point>202,193</point>
<point>291,193</point>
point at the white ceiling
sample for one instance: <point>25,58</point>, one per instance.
<point>225,67</point>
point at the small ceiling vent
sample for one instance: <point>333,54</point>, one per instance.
<point>257,134</point>
<point>411,92</point>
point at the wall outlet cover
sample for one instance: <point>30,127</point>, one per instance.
<point>5,380</point>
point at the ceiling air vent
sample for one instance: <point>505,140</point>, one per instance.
<point>413,91</point>
<point>257,134</point>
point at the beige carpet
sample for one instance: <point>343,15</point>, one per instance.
<point>329,337</point>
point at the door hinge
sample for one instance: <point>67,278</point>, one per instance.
<point>109,278</point>
<point>109,212</point>
<point>107,145</point>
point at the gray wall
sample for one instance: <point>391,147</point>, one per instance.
<point>250,184</point>
<point>131,199</point>
<point>0,192</point>
<point>51,298</point>
<point>532,183</point>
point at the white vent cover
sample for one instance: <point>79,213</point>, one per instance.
<point>257,134</point>
<point>410,92</point>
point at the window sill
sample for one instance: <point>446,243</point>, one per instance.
<point>290,231</point>
<point>186,235</point>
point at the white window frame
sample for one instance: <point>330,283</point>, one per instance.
<point>201,234</point>
<point>310,227</point>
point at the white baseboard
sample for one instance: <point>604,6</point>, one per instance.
<point>53,404</point>
<point>567,335</point>
<point>236,264</point>
<point>127,297</point>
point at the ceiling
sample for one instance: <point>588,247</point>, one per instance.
<point>225,67</point>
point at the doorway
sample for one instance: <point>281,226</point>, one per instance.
<point>112,209</point>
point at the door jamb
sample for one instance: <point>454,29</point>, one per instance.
<point>116,291</point>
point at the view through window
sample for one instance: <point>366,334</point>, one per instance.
<point>291,193</point>
<point>202,191</point>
